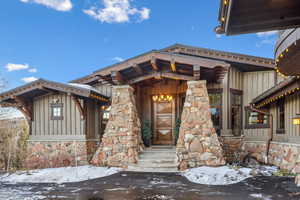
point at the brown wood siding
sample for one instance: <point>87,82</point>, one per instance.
<point>254,84</point>
<point>236,79</point>
<point>42,124</point>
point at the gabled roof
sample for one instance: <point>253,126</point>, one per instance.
<point>282,89</point>
<point>259,62</point>
<point>42,87</point>
<point>204,57</point>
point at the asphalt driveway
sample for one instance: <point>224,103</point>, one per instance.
<point>154,186</point>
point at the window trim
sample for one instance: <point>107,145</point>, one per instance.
<point>217,91</point>
<point>254,126</point>
<point>279,130</point>
<point>56,105</point>
<point>235,92</point>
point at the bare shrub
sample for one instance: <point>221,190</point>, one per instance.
<point>13,136</point>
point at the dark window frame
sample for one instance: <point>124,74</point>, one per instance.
<point>231,95</point>
<point>280,111</point>
<point>57,105</point>
<point>254,126</point>
<point>220,106</point>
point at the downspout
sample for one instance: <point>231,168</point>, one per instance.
<point>270,135</point>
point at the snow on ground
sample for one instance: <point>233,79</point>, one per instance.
<point>260,197</point>
<point>224,175</point>
<point>59,175</point>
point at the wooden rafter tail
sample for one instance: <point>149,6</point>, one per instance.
<point>79,106</point>
<point>173,65</point>
<point>153,64</point>
<point>137,69</point>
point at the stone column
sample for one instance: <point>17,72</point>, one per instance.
<point>121,141</point>
<point>198,143</point>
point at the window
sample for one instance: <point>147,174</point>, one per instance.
<point>280,117</point>
<point>56,111</point>
<point>215,101</point>
<point>255,119</point>
<point>236,111</point>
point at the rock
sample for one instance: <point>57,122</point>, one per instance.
<point>197,135</point>
<point>122,137</point>
<point>196,146</point>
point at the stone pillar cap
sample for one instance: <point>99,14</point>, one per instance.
<point>198,81</point>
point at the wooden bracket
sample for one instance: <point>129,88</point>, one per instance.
<point>80,107</point>
<point>25,107</point>
<point>153,64</point>
<point>137,69</point>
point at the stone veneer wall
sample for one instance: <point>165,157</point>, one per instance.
<point>49,154</point>
<point>284,155</point>
<point>232,148</point>
<point>121,141</point>
<point>198,143</point>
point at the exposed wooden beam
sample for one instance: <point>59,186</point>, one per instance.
<point>173,65</point>
<point>177,76</point>
<point>196,72</point>
<point>153,64</point>
<point>160,75</point>
<point>117,78</point>
<point>137,69</point>
<point>79,106</point>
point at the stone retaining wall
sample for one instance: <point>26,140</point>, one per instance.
<point>284,155</point>
<point>198,143</point>
<point>50,154</point>
<point>232,148</point>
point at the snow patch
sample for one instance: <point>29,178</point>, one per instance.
<point>260,196</point>
<point>59,175</point>
<point>224,175</point>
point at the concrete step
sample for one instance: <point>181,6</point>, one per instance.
<point>158,163</point>
<point>152,169</point>
<point>155,160</point>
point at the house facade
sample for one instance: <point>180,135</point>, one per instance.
<point>98,118</point>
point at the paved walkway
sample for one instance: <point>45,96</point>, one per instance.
<point>154,186</point>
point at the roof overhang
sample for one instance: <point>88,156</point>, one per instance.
<point>42,87</point>
<point>158,65</point>
<point>279,91</point>
<point>250,16</point>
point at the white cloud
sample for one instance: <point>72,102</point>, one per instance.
<point>266,38</point>
<point>118,59</point>
<point>267,34</point>
<point>117,11</point>
<point>32,70</point>
<point>15,67</point>
<point>29,79</point>
<point>218,35</point>
<point>59,5</point>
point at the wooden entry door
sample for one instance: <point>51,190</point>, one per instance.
<point>164,116</point>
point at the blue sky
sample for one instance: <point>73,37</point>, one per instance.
<point>62,40</point>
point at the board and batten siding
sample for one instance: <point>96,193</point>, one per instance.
<point>235,79</point>
<point>254,84</point>
<point>292,132</point>
<point>43,125</point>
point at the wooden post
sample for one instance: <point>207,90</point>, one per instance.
<point>196,72</point>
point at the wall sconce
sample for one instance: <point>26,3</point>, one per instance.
<point>296,120</point>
